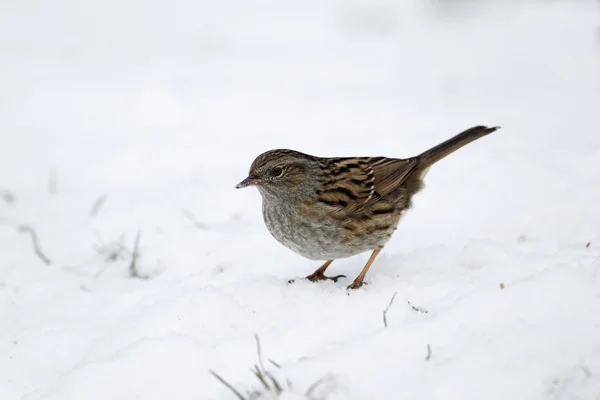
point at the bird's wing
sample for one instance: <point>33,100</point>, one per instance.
<point>389,173</point>
<point>352,183</point>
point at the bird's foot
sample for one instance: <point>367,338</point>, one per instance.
<point>357,284</point>
<point>319,276</point>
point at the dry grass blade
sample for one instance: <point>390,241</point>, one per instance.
<point>97,206</point>
<point>133,273</point>
<point>428,357</point>
<point>387,308</point>
<point>278,388</point>
<point>417,308</point>
<point>274,363</point>
<point>259,352</point>
<point>227,384</point>
<point>270,386</point>
<point>36,244</point>
<point>260,376</point>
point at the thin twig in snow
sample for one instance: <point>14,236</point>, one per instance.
<point>97,206</point>
<point>274,363</point>
<point>387,308</point>
<point>428,357</point>
<point>417,308</point>
<point>133,273</point>
<point>227,384</point>
<point>36,244</point>
<point>189,215</point>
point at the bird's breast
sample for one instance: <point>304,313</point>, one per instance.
<point>317,236</point>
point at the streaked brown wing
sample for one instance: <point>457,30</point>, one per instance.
<point>348,185</point>
<point>390,173</point>
<point>352,183</point>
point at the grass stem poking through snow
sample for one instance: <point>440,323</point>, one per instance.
<point>269,384</point>
<point>428,357</point>
<point>387,308</point>
<point>268,381</point>
<point>417,308</point>
<point>36,244</point>
<point>97,206</point>
<point>133,273</point>
<point>258,352</point>
<point>227,384</point>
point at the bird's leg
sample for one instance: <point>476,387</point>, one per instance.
<point>359,281</point>
<point>319,275</point>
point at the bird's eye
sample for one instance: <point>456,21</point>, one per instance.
<point>277,172</point>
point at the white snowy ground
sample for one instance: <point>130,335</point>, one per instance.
<point>162,106</point>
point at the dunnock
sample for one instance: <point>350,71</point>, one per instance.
<point>330,208</point>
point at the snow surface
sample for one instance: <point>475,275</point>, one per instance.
<point>162,106</point>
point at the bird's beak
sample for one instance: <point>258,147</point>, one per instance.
<point>250,180</point>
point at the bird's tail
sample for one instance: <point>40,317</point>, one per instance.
<point>435,154</point>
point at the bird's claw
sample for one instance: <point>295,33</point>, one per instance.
<point>315,277</point>
<point>356,285</point>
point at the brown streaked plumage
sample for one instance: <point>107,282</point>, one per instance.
<point>330,208</point>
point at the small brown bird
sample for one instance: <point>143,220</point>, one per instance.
<point>330,208</point>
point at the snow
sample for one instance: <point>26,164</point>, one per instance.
<point>162,106</point>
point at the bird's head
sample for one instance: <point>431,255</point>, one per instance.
<point>281,172</point>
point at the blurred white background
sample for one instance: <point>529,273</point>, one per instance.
<point>160,107</point>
